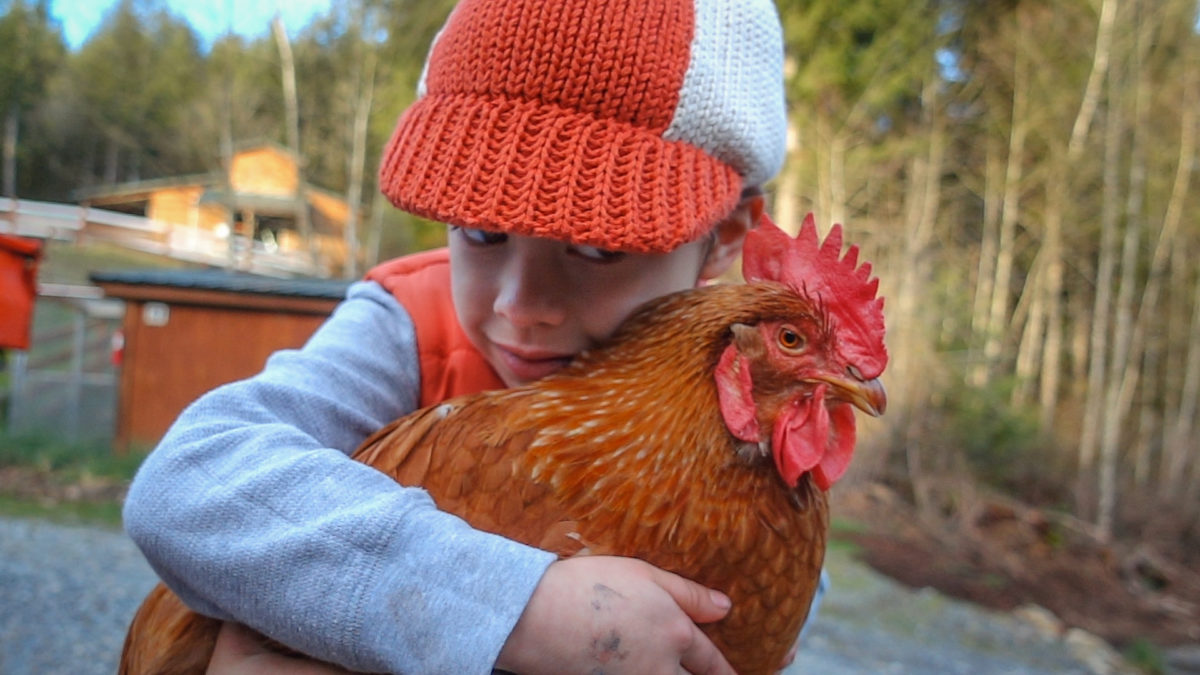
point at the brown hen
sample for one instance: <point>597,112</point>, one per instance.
<point>701,438</point>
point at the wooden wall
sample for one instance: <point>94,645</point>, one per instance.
<point>180,343</point>
<point>264,171</point>
<point>175,204</point>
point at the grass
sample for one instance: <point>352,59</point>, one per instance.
<point>1145,656</point>
<point>841,536</point>
<point>103,513</point>
<point>64,481</point>
<point>69,460</point>
<point>69,263</point>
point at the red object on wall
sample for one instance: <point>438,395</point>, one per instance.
<point>18,288</point>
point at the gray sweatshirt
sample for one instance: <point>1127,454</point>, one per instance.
<point>250,509</point>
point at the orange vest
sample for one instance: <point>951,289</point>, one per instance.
<point>450,364</point>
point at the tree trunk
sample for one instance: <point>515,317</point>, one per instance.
<point>12,121</point>
<point>921,210</point>
<point>227,199</point>
<point>837,178</point>
<point>292,111</point>
<point>1051,353</point>
<point>1129,337</point>
<point>1091,93</point>
<point>379,204</point>
<point>1119,389</point>
<point>1080,320</point>
<point>786,205</point>
<point>1181,445</point>
<point>923,198</point>
<point>1029,350</point>
<point>1010,212</point>
<point>1098,352</point>
<point>354,192</point>
<point>1175,446</point>
<point>787,208</point>
<point>111,161</point>
<point>1059,196</point>
<point>822,145</point>
<point>985,278</point>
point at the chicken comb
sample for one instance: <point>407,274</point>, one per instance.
<point>818,271</point>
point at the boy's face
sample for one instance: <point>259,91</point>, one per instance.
<point>530,304</point>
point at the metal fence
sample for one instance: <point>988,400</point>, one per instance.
<point>65,385</point>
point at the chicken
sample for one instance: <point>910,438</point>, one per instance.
<point>701,438</point>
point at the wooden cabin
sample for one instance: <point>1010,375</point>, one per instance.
<point>257,206</point>
<point>188,331</point>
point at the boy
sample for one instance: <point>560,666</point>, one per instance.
<point>588,156</point>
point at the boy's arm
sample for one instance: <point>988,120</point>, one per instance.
<point>251,510</point>
<point>588,614</point>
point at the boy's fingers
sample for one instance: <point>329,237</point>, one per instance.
<point>790,658</point>
<point>237,641</point>
<point>703,657</point>
<point>241,650</point>
<point>702,604</point>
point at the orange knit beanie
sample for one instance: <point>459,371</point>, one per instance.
<point>629,125</point>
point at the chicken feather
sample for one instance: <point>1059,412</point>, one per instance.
<point>627,452</point>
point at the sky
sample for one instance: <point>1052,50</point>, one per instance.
<point>209,18</point>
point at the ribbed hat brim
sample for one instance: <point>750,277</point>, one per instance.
<point>529,168</point>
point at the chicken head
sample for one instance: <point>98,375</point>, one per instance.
<point>801,376</point>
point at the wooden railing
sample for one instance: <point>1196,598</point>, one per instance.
<point>72,222</point>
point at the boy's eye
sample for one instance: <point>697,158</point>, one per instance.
<point>596,254</point>
<point>481,237</point>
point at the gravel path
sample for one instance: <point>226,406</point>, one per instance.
<point>67,593</point>
<point>871,624</point>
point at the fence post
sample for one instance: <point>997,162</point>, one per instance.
<point>16,388</point>
<point>75,387</point>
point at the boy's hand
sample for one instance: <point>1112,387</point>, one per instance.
<point>615,615</point>
<point>790,658</point>
<point>240,650</point>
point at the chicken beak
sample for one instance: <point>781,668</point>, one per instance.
<point>866,395</point>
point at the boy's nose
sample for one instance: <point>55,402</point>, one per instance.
<point>528,293</point>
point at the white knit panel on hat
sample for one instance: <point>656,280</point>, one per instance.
<point>732,102</point>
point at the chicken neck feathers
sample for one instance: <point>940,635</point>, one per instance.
<point>625,453</point>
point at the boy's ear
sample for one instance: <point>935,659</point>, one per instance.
<point>729,234</point>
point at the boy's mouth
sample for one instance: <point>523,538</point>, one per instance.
<point>528,365</point>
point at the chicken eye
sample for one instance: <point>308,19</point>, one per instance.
<point>791,340</point>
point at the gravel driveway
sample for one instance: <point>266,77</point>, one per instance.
<point>67,593</point>
<point>66,597</point>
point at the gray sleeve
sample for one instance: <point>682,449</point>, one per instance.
<point>251,509</point>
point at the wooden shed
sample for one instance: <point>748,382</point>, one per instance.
<point>188,331</point>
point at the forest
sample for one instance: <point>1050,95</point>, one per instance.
<point>1021,173</point>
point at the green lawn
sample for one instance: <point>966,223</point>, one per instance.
<point>45,477</point>
<point>90,513</point>
<point>69,263</point>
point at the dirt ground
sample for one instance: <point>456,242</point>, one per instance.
<point>43,486</point>
<point>1006,555</point>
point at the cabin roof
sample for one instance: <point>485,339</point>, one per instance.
<point>224,280</point>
